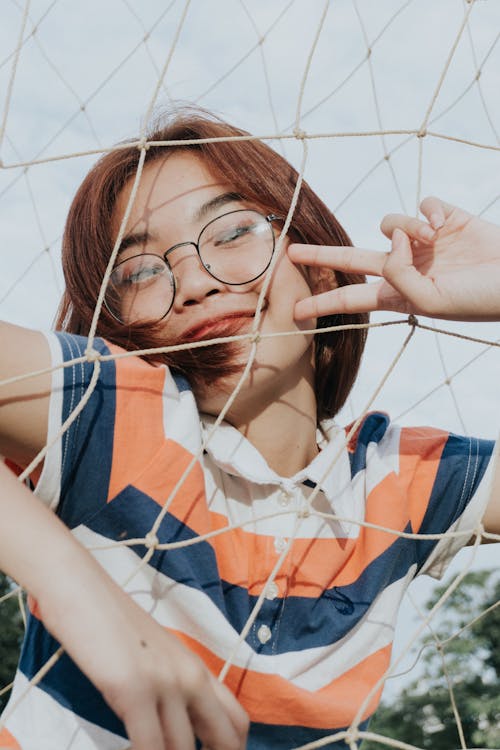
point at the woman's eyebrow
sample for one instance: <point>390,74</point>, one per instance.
<point>212,205</point>
<point>135,238</point>
<point>141,238</point>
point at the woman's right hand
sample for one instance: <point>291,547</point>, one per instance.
<point>163,693</point>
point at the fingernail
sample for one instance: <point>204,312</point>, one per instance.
<point>426,232</point>
<point>398,236</point>
<point>437,221</point>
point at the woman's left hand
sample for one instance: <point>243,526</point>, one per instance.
<point>448,267</point>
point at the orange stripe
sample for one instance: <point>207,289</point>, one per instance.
<point>271,699</point>
<point>138,431</point>
<point>397,499</point>
<point>422,468</point>
<point>246,559</point>
<point>7,740</point>
<point>158,477</point>
<point>33,607</point>
<point>313,565</point>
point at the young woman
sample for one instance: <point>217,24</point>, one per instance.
<point>299,593</point>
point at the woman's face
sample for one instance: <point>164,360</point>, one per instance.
<point>176,198</point>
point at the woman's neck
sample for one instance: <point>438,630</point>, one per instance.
<point>277,417</point>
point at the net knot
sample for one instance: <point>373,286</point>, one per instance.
<point>352,736</point>
<point>92,355</point>
<point>412,320</point>
<point>255,337</point>
<point>151,541</point>
<point>304,512</point>
<point>422,133</point>
<point>478,75</point>
<point>143,144</point>
<point>299,133</point>
<point>479,530</point>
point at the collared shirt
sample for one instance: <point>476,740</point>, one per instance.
<point>293,582</point>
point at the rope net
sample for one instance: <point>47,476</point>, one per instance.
<point>377,105</point>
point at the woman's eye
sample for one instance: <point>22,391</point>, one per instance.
<point>233,234</point>
<point>141,274</point>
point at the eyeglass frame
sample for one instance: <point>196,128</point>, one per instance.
<point>164,256</point>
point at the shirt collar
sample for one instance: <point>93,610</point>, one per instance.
<point>330,468</point>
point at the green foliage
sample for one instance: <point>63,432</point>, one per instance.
<point>423,714</point>
<point>11,634</point>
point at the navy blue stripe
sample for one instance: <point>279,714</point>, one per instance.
<point>82,698</point>
<point>132,513</point>
<point>277,737</point>
<point>64,681</point>
<point>461,468</point>
<point>373,429</point>
<point>88,443</point>
<point>69,686</point>
<point>297,622</point>
<point>180,381</point>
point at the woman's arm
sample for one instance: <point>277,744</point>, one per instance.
<point>446,267</point>
<point>448,270</point>
<point>162,692</point>
<point>24,404</point>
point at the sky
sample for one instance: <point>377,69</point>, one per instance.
<point>86,75</point>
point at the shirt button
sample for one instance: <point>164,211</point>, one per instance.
<point>284,498</point>
<point>272,591</point>
<point>279,543</point>
<point>264,634</point>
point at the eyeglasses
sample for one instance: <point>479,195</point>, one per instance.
<point>235,248</point>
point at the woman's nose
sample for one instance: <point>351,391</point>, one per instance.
<point>192,280</point>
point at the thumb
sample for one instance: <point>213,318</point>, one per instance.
<point>399,270</point>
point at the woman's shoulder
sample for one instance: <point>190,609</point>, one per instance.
<point>376,434</point>
<point>79,354</point>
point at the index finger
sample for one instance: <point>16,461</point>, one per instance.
<point>339,258</point>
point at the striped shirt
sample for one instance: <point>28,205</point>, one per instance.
<point>322,638</point>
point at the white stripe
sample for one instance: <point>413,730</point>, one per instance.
<point>48,486</point>
<point>382,459</point>
<point>190,611</point>
<point>181,421</point>
<point>41,723</point>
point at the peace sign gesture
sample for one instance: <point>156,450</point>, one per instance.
<point>445,267</point>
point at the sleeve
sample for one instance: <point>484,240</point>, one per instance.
<point>460,494</point>
<point>424,481</point>
<point>447,481</point>
<point>80,429</point>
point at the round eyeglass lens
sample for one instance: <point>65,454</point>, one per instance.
<point>140,289</point>
<point>237,248</point>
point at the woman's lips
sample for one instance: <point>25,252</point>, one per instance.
<point>225,325</point>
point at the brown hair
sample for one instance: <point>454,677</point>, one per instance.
<point>256,172</point>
